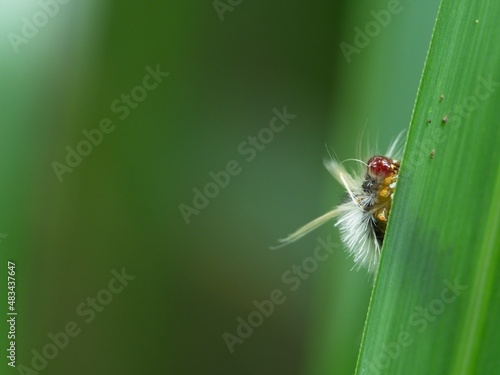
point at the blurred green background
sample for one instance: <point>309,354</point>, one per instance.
<point>120,206</point>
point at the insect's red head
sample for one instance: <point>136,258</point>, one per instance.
<point>380,166</point>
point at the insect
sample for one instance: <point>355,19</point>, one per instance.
<point>362,219</point>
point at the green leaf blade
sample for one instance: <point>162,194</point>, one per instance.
<point>444,226</point>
